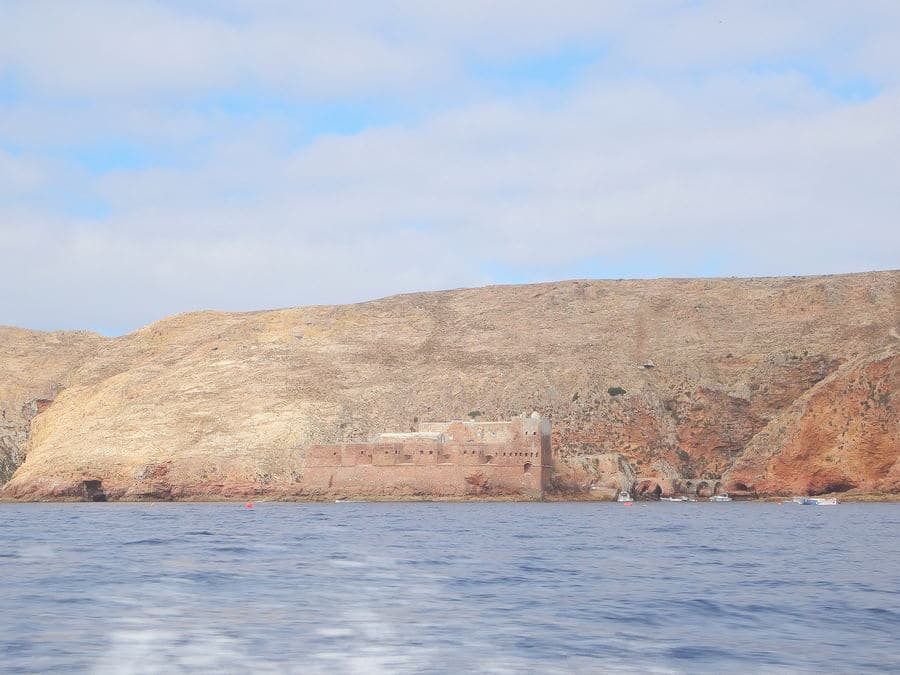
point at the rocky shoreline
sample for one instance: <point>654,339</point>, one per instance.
<point>285,496</point>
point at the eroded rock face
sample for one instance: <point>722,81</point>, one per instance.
<point>600,476</point>
<point>648,489</point>
<point>842,435</point>
<point>34,367</point>
<point>776,385</point>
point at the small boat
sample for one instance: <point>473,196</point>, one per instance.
<point>675,499</point>
<point>830,501</point>
<point>721,498</point>
<point>624,496</point>
<point>816,501</point>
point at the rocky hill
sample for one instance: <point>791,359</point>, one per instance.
<point>761,386</point>
<point>34,367</point>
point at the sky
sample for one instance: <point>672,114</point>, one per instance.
<point>165,156</point>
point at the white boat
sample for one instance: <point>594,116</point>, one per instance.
<point>821,501</point>
<point>624,496</point>
<point>721,498</point>
<point>675,499</point>
<point>816,501</point>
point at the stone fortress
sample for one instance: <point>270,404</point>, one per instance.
<point>442,459</point>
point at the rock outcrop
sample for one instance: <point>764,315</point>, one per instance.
<point>34,367</point>
<point>841,435</point>
<point>761,386</point>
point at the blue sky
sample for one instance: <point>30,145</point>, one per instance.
<point>161,157</point>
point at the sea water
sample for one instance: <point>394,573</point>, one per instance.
<point>441,587</point>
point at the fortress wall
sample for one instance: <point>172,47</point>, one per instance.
<point>477,432</point>
<point>467,455</point>
<point>487,432</point>
<point>433,427</point>
<point>387,454</point>
<point>353,455</point>
<point>443,458</point>
<point>411,479</point>
<point>323,455</point>
<point>513,471</point>
<point>426,454</point>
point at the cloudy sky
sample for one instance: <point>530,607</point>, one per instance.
<point>164,156</point>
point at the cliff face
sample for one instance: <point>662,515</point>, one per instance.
<point>34,368</point>
<point>842,434</point>
<point>771,386</point>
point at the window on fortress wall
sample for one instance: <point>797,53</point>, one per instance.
<point>527,467</point>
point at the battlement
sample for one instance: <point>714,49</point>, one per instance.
<point>441,458</point>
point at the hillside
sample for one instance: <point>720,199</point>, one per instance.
<point>770,386</point>
<point>34,367</point>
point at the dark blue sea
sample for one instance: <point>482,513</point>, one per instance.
<point>448,588</point>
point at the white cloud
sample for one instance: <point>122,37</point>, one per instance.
<point>424,207</point>
<point>672,147</point>
<point>138,50</point>
<point>19,176</point>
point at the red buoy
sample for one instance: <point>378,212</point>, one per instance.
<point>249,505</point>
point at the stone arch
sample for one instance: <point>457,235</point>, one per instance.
<point>527,467</point>
<point>703,489</point>
<point>648,489</point>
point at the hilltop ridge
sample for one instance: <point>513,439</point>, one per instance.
<point>762,386</point>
